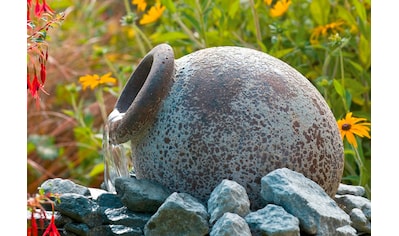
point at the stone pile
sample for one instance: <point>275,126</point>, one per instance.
<point>293,205</point>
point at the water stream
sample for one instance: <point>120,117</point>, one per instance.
<point>116,161</point>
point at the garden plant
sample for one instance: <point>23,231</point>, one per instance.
<point>81,53</point>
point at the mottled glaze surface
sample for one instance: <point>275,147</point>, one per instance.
<point>236,113</point>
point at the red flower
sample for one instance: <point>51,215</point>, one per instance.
<point>43,73</point>
<point>51,229</point>
<point>34,86</point>
<point>37,9</point>
<point>32,228</point>
<point>46,8</point>
<point>42,8</point>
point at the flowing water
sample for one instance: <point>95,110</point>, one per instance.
<point>116,162</point>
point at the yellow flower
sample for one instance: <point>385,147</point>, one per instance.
<point>153,14</point>
<point>141,4</point>
<point>279,8</point>
<point>95,80</point>
<point>324,30</point>
<point>268,2</point>
<point>351,126</point>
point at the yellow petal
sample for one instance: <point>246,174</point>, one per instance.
<point>351,139</point>
<point>268,2</point>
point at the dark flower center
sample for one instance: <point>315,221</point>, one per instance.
<point>346,127</point>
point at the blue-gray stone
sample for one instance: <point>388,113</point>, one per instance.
<point>360,221</point>
<point>347,202</point>
<point>346,230</point>
<point>109,200</point>
<point>273,220</point>
<point>350,189</point>
<point>77,228</point>
<point>115,230</point>
<point>141,195</point>
<point>305,199</point>
<point>80,209</point>
<point>61,186</point>
<point>180,214</point>
<point>230,224</point>
<point>228,196</point>
<point>123,216</point>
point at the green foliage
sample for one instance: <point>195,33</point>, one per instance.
<point>108,38</point>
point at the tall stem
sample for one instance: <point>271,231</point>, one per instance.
<point>256,22</point>
<point>101,104</point>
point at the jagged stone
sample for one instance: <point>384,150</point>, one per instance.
<point>350,189</point>
<point>228,196</point>
<point>348,202</point>
<point>230,224</point>
<point>115,230</point>
<point>180,214</point>
<point>77,228</point>
<point>64,232</point>
<point>346,230</point>
<point>60,220</point>
<point>123,216</point>
<point>141,195</point>
<point>80,209</point>
<point>273,220</point>
<point>109,200</point>
<point>360,221</point>
<point>61,186</point>
<point>317,212</point>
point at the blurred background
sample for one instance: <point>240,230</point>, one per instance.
<point>327,41</point>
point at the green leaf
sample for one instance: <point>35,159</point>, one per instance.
<point>281,53</point>
<point>339,88</point>
<point>97,169</point>
<point>193,21</point>
<point>360,10</point>
<point>169,5</point>
<point>233,9</point>
<point>320,11</point>
<point>364,52</point>
<point>68,112</point>
<point>168,37</point>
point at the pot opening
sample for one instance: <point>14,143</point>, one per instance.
<point>135,83</point>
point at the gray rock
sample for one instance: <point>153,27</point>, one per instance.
<point>273,220</point>
<point>60,220</point>
<point>96,192</point>
<point>61,186</point>
<point>317,212</point>
<point>346,230</point>
<point>230,224</point>
<point>109,200</point>
<point>64,232</point>
<point>80,209</point>
<point>348,202</point>
<point>228,196</point>
<point>77,228</point>
<point>123,216</point>
<point>360,221</point>
<point>115,230</point>
<point>141,195</point>
<point>350,189</point>
<point>180,214</point>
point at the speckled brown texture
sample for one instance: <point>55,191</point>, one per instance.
<point>236,113</point>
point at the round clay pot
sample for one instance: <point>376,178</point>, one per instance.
<point>225,113</point>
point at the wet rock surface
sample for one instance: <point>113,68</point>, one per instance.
<point>294,205</point>
<point>303,198</point>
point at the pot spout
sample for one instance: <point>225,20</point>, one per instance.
<point>142,95</point>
